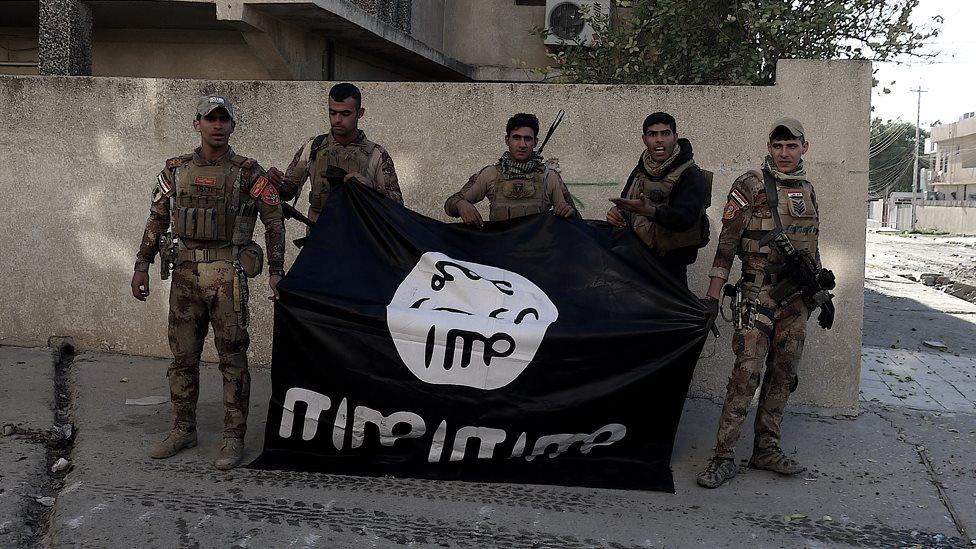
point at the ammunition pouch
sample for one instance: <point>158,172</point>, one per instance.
<point>251,259</point>
<point>200,223</point>
<point>785,290</point>
<point>247,217</point>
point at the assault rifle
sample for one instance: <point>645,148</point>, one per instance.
<point>552,129</point>
<point>335,176</point>
<point>800,273</point>
<point>291,212</point>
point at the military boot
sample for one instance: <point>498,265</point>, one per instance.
<point>176,440</point>
<point>773,459</point>
<point>717,472</point>
<point>230,454</point>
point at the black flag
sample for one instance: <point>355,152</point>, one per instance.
<point>538,350</point>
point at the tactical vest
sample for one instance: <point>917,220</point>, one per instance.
<point>207,200</point>
<point>518,195</point>
<point>797,212</point>
<point>353,157</point>
<point>658,192</point>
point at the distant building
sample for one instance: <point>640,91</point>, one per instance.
<point>418,40</point>
<point>953,174</point>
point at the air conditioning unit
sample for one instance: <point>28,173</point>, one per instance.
<point>565,23</point>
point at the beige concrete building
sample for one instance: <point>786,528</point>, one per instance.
<point>363,40</point>
<point>953,174</point>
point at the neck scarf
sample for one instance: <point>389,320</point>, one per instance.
<point>512,167</point>
<point>799,174</point>
<point>659,169</point>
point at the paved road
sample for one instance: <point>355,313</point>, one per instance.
<point>902,314</point>
<point>899,474</point>
<point>867,486</point>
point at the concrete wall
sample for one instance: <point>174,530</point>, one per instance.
<point>175,54</point>
<point>953,219</point>
<point>83,154</point>
<point>494,33</point>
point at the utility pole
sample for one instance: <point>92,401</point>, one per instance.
<point>918,136</point>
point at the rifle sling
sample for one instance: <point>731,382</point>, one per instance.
<point>772,197</point>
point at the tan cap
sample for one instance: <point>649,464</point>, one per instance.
<point>791,124</point>
<point>208,103</point>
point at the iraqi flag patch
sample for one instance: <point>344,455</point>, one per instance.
<point>736,202</point>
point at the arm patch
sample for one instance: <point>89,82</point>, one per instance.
<point>270,196</point>
<point>177,160</point>
<point>164,186</point>
<point>265,191</point>
<point>731,209</point>
<point>738,198</point>
<point>259,185</point>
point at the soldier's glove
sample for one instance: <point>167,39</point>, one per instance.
<point>275,177</point>
<point>711,313</point>
<point>826,279</point>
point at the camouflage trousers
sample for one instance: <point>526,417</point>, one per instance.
<point>204,295</point>
<point>779,343</point>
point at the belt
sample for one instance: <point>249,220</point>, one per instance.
<point>767,277</point>
<point>207,255</point>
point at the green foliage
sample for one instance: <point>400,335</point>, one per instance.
<point>892,157</point>
<point>733,42</point>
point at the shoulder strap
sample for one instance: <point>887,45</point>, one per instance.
<point>177,160</point>
<point>242,161</point>
<point>316,145</point>
<point>369,147</point>
<point>707,176</point>
<point>772,197</point>
<point>681,169</point>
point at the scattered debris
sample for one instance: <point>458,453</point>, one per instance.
<point>46,501</point>
<point>147,401</point>
<point>935,344</point>
<point>794,516</point>
<point>124,380</point>
<point>8,430</point>
<point>60,465</point>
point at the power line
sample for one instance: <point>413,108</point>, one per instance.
<point>883,136</point>
<point>882,147</point>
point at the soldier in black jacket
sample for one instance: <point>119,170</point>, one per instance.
<point>665,197</point>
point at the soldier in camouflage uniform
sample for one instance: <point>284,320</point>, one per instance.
<point>346,147</point>
<point>768,330</point>
<point>521,183</point>
<point>204,208</point>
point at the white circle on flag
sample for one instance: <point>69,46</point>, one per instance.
<point>461,323</point>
